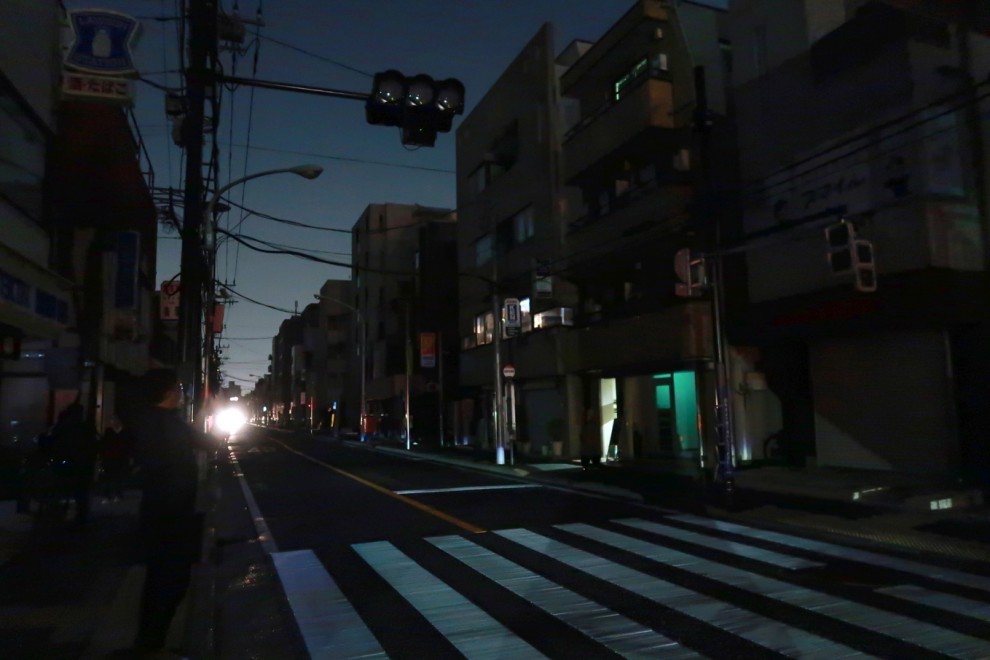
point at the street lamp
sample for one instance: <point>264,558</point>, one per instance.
<point>364,343</point>
<point>210,245</point>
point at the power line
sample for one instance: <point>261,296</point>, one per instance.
<point>322,58</point>
<point>348,159</point>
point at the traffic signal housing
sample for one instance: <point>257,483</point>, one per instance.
<point>419,105</point>
<point>849,254</point>
<point>690,270</point>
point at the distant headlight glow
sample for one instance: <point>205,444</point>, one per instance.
<point>230,420</point>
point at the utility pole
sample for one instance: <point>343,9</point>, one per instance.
<point>202,47</point>
<point>725,444</point>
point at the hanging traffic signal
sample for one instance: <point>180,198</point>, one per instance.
<point>690,270</point>
<point>420,105</point>
<point>849,254</point>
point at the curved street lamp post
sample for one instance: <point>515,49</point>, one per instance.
<point>210,247</point>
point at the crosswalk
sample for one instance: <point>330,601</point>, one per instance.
<point>678,587</point>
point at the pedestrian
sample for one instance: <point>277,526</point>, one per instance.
<point>591,445</point>
<point>115,457</point>
<point>165,450</point>
<point>71,448</point>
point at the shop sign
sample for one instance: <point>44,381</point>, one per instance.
<point>118,91</point>
<point>102,42</point>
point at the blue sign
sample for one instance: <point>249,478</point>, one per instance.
<point>102,42</point>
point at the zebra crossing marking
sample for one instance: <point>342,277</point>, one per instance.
<point>901,627</point>
<point>939,600</point>
<point>620,634</point>
<point>330,626</point>
<point>473,632</point>
<point>833,550</point>
<point>716,543</point>
<point>756,628</point>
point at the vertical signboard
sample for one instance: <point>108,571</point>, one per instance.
<point>428,350</point>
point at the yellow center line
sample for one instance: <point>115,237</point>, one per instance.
<point>381,489</point>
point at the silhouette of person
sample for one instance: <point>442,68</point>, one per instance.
<point>72,447</point>
<point>165,453</point>
<point>115,455</point>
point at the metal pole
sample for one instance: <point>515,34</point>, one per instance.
<point>408,375</point>
<point>499,446</point>
<point>364,369</point>
<point>726,454</point>
<point>440,379</point>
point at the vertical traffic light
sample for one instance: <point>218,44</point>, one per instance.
<point>849,254</point>
<point>690,270</point>
<point>419,105</point>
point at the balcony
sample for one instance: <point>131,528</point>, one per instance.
<point>646,110</point>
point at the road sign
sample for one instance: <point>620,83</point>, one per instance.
<point>513,317</point>
<point>169,300</point>
<point>509,371</point>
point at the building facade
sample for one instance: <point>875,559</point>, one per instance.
<point>404,284</point>
<point>580,223</point>
<point>891,379</point>
<point>77,256</point>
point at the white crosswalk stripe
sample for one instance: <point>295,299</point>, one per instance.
<point>910,630</point>
<point>622,635</point>
<point>510,570</point>
<point>758,629</point>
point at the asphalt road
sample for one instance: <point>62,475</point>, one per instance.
<point>384,556</point>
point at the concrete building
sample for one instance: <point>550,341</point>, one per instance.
<point>77,254</point>
<point>405,284</point>
<point>577,176</point>
<point>333,394</point>
<point>864,112</point>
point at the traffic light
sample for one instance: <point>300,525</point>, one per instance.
<point>419,105</point>
<point>690,270</point>
<point>848,254</point>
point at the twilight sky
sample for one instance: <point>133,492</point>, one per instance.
<point>337,44</point>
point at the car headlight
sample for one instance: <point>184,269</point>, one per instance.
<point>230,420</point>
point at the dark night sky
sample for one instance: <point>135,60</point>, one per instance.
<point>346,41</point>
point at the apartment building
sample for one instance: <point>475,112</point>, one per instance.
<point>577,183</point>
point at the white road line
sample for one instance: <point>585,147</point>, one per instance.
<point>261,527</point>
<point>624,636</point>
<point>330,626</point>
<point>473,632</point>
<point>757,628</point>
<point>465,489</point>
<point>937,599</point>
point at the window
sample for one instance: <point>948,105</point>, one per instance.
<point>524,226</point>
<point>603,203</point>
<point>623,84</point>
<point>22,157</point>
<point>526,314</point>
<point>555,316</point>
<point>484,249</point>
<point>484,329</point>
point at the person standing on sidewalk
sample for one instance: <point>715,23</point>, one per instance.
<point>115,456</point>
<point>71,447</point>
<point>165,454</point>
